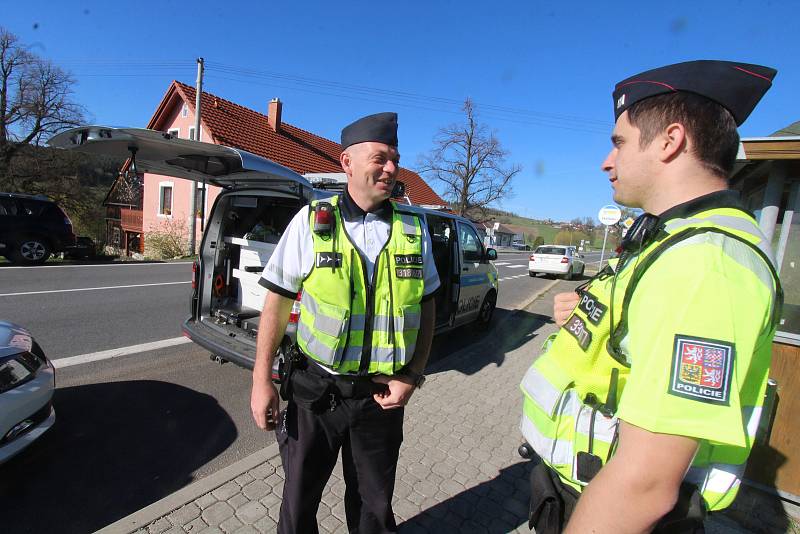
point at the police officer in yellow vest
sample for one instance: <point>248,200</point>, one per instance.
<point>366,273</point>
<point>646,402</point>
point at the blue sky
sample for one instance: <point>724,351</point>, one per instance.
<point>540,73</point>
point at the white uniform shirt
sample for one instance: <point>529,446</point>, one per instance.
<point>293,258</point>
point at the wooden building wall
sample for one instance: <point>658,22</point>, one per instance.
<point>777,463</point>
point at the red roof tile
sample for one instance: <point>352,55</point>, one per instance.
<point>233,125</point>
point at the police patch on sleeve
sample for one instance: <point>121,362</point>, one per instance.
<point>702,369</point>
<point>329,259</point>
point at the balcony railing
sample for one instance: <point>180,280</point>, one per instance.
<point>131,219</point>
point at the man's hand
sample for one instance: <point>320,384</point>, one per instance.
<point>264,404</point>
<point>563,304</point>
<point>400,390</point>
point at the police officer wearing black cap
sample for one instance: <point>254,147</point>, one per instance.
<point>644,406</point>
<point>366,272</point>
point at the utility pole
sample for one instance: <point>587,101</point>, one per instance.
<point>193,196</point>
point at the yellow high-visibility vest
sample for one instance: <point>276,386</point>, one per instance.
<point>354,325</point>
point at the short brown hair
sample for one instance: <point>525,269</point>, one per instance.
<point>710,126</point>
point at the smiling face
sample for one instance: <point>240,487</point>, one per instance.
<point>631,168</point>
<point>371,170</point>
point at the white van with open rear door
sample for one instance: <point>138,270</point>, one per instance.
<point>258,200</point>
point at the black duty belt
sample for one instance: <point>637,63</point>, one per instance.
<point>346,386</point>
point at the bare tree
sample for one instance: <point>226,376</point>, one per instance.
<point>469,160</point>
<point>36,99</point>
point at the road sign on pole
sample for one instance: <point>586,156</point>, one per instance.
<point>608,215</point>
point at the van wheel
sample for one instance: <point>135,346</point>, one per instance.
<point>533,274</point>
<point>487,310</point>
<point>583,268</point>
<point>30,251</point>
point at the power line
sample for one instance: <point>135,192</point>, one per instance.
<point>91,68</point>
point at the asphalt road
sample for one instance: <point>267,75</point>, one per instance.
<point>79,309</point>
<point>132,430</point>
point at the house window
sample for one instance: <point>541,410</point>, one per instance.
<point>185,110</point>
<point>174,132</point>
<point>786,243</point>
<point>191,133</point>
<point>165,199</point>
<point>198,199</point>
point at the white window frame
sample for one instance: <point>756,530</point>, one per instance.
<point>198,186</point>
<point>161,186</point>
<point>191,131</point>
<point>185,110</point>
<point>174,132</point>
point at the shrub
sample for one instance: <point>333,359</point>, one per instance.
<point>167,240</point>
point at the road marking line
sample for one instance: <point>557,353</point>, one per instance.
<point>90,289</point>
<point>512,277</point>
<point>498,263</point>
<point>116,353</point>
<point>98,265</point>
<point>516,266</point>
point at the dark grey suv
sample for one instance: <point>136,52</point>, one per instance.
<point>32,228</point>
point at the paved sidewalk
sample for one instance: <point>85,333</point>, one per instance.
<point>458,471</point>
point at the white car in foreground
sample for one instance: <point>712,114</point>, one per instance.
<point>27,381</point>
<point>557,260</point>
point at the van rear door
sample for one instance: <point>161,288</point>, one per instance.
<point>161,153</point>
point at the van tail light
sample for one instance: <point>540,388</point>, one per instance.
<point>195,268</point>
<point>565,260</point>
<point>294,316</point>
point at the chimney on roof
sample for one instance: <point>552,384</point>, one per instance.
<point>274,114</point>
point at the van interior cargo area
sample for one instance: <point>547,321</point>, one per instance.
<point>249,228</point>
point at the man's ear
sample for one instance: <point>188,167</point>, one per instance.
<point>344,160</point>
<point>673,141</point>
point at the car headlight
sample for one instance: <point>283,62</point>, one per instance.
<point>18,369</point>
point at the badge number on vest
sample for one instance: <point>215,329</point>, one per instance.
<point>577,328</point>
<point>408,272</point>
<point>329,259</point>
<point>701,370</point>
<point>593,309</point>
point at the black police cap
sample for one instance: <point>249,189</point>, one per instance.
<point>736,86</point>
<point>379,128</point>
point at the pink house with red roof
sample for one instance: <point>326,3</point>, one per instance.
<point>163,202</point>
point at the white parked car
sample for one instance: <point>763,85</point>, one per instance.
<point>27,381</point>
<point>559,260</point>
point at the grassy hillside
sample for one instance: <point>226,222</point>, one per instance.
<point>550,231</point>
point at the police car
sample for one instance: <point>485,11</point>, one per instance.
<point>258,200</point>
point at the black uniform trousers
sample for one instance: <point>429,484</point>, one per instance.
<point>369,438</point>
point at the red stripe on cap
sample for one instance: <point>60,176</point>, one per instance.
<point>648,81</point>
<point>753,74</point>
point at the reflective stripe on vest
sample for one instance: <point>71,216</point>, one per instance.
<point>341,311</point>
<point>576,363</point>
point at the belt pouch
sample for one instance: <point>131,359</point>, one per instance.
<point>309,391</point>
